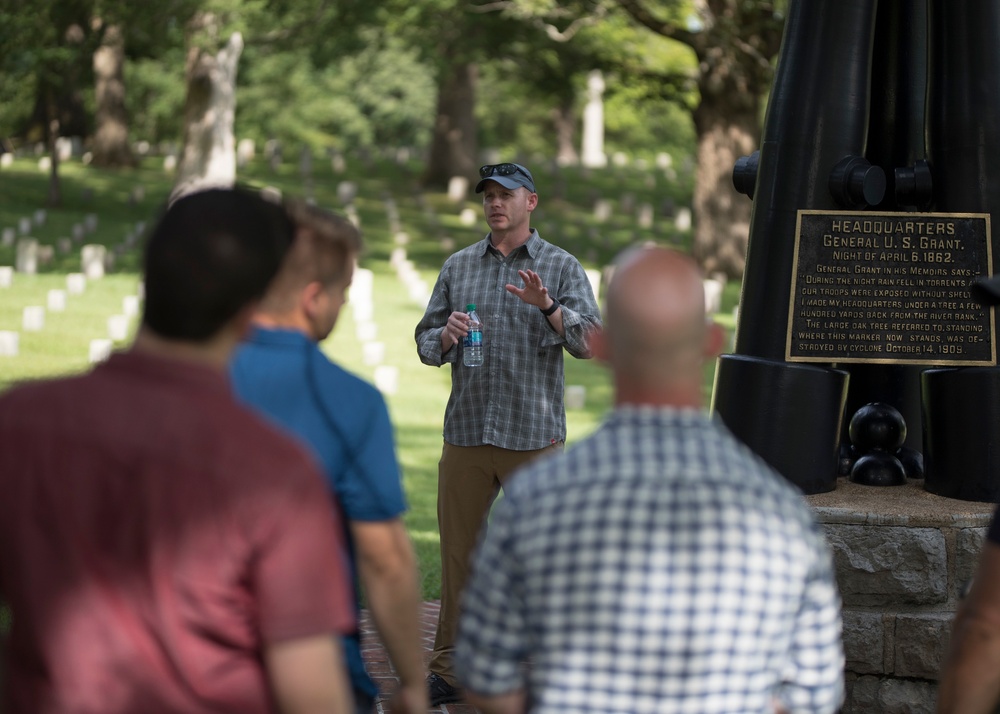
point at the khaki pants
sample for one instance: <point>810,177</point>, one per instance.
<point>469,479</point>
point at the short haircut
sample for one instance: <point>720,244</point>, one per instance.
<point>209,255</point>
<point>323,251</point>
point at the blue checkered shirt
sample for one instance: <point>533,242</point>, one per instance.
<point>515,399</point>
<point>656,566</point>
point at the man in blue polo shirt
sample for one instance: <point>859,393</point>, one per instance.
<point>281,372</point>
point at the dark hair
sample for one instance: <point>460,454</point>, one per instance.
<point>209,255</point>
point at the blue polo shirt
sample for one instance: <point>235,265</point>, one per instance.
<point>342,418</point>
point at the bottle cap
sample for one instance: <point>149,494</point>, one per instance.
<point>470,307</point>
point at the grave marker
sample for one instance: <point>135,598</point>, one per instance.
<point>6,276</point>
<point>118,328</point>
<point>387,378</point>
<point>64,245</point>
<point>366,331</point>
<point>458,188</point>
<point>576,396</point>
<point>39,217</point>
<point>468,217</point>
<point>130,305</point>
<point>56,300</point>
<point>24,226</point>
<point>8,341</point>
<point>8,236</point>
<point>6,160</point>
<point>76,283</point>
<point>373,353</point>
<point>33,318</point>
<point>92,258</point>
<point>26,260</point>
<point>100,350</point>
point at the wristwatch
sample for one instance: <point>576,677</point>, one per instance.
<point>552,308</point>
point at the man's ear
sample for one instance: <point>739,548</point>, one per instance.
<point>309,298</point>
<point>597,341</point>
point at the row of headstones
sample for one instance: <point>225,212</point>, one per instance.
<point>33,317</point>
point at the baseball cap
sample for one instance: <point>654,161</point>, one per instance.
<point>986,291</point>
<point>507,175</point>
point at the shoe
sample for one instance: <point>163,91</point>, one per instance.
<point>440,691</point>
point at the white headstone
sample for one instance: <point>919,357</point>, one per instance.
<point>90,222</point>
<point>664,160</point>
<point>362,286</point>
<point>713,295</point>
<point>683,219</point>
<point>78,231</point>
<point>6,276</point>
<point>56,301</point>
<point>92,261</point>
<point>245,152</point>
<point>363,310</point>
<point>401,238</point>
<point>169,165</point>
<point>100,350</point>
<point>26,260</point>
<point>39,216</point>
<point>602,209</point>
<point>594,276</point>
<point>458,188</point>
<point>130,305</point>
<point>76,283</point>
<point>346,191</point>
<point>387,378</point>
<point>366,331</point>
<point>24,226</point>
<point>373,353</point>
<point>33,318</point>
<point>593,123</point>
<point>64,245</point>
<point>397,257</point>
<point>45,164</point>
<point>576,396</point>
<point>8,236</point>
<point>620,159</point>
<point>64,148</point>
<point>6,160</point>
<point>468,217</point>
<point>338,164</point>
<point>645,215</point>
<point>8,341</point>
<point>118,327</point>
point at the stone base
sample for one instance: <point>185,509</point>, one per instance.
<point>903,558</point>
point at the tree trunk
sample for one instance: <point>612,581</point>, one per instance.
<point>454,149</point>
<point>111,144</point>
<point>209,155</point>
<point>722,215</point>
<point>564,119</point>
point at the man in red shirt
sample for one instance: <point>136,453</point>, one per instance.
<point>161,548</point>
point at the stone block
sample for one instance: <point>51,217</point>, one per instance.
<point>26,259</point>
<point>868,694</point>
<point>921,643</point>
<point>889,565</point>
<point>968,544</point>
<point>864,642</point>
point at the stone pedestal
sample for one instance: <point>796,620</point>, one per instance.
<point>903,557</point>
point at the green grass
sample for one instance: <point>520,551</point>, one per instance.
<point>434,230</point>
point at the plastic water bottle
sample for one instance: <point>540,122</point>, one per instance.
<point>472,345</point>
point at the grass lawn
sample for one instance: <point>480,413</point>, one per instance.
<point>433,228</point>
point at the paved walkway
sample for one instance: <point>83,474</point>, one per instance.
<point>378,663</point>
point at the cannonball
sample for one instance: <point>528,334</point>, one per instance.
<point>912,460</point>
<point>879,468</point>
<point>877,426</point>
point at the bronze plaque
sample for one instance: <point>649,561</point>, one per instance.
<point>890,288</point>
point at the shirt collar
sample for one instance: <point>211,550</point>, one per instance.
<point>531,246</point>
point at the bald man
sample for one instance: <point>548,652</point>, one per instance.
<point>658,565</point>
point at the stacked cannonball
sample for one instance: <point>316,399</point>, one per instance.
<point>876,455</point>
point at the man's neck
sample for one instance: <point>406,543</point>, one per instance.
<point>508,241</point>
<point>213,353</point>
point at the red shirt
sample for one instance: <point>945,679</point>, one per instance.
<point>154,535</point>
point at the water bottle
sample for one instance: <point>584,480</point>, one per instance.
<point>472,345</point>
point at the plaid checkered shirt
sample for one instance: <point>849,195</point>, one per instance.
<point>515,399</point>
<point>656,566</point>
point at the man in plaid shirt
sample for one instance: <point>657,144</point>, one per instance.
<point>535,300</point>
<point>658,565</point>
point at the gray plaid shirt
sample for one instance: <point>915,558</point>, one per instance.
<point>515,399</point>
